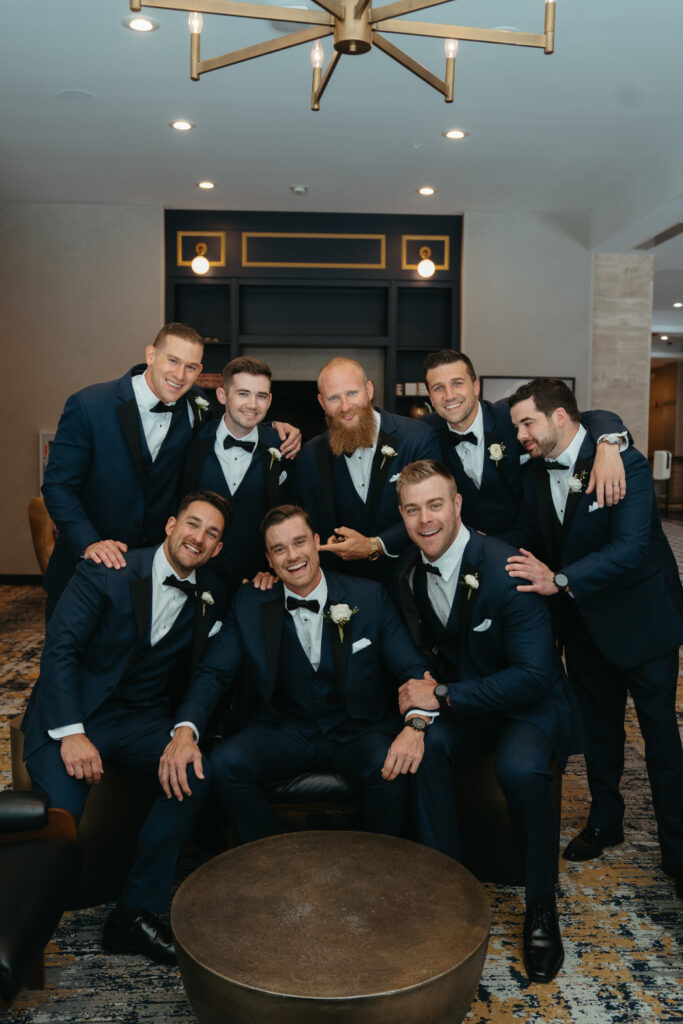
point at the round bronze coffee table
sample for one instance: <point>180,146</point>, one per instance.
<point>341,926</point>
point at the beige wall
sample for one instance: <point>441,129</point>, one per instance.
<point>81,293</point>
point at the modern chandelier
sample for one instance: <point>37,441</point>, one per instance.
<point>356,27</point>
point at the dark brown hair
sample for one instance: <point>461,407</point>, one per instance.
<point>183,331</point>
<point>245,364</point>
<point>211,498</point>
<point>280,514</point>
<point>549,394</point>
<point>447,356</point>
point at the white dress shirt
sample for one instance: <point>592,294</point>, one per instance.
<point>155,425</point>
<point>360,463</point>
<point>442,589</point>
<point>308,624</point>
<point>234,461</point>
<point>559,478</point>
<point>472,455</point>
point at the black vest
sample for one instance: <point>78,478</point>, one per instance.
<point>161,475</point>
<point>145,681</point>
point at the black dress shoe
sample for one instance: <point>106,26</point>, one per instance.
<point>674,871</point>
<point>591,841</point>
<point>543,949</point>
<point>132,930</point>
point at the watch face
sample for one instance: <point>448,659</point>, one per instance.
<point>561,580</point>
<point>418,724</point>
<point>441,690</point>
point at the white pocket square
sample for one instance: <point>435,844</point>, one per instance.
<point>359,645</point>
<point>216,628</point>
<point>282,478</point>
<point>394,478</point>
<point>482,627</point>
<point>593,507</point>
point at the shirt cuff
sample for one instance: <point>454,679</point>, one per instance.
<point>384,549</point>
<point>623,443</point>
<point>424,714</point>
<point>191,725</point>
<point>66,730</point>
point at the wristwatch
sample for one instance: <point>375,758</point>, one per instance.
<point>441,694</point>
<point>418,724</point>
<point>375,549</point>
<point>561,581</point>
<point>610,438</point>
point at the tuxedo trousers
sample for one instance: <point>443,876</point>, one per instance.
<point>266,753</point>
<point>602,690</point>
<point>133,738</point>
<point>523,758</point>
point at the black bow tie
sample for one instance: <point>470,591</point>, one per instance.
<point>549,464</point>
<point>457,439</point>
<point>233,442</point>
<point>434,569</point>
<point>189,589</point>
<point>294,602</point>
<point>162,407</point>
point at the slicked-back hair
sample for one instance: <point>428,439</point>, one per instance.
<point>280,514</point>
<point>337,361</point>
<point>211,498</point>
<point>245,364</point>
<point>549,394</point>
<point>183,331</point>
<point>447,356</point>
<point>417,472</point>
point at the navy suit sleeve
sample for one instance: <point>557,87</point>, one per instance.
<point>600,421</point>
<point>67,468</point>
<point>220,664</point>
<point>399,652</point>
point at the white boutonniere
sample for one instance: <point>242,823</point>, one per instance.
<point>275,456</point>
<point>202,406</point>
<point>207,598</point>
<point>577,482</point>
<point>387,452</point>
<point>471,581</point>
<point>340,615</point>
<point>496,453</point>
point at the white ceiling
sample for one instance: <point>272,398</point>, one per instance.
<point>593,129</point>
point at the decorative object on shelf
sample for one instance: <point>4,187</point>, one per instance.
<point>356,26</point>
<point>419,409</point>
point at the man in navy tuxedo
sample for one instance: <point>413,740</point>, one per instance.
<point>316,649</point>
<point>616,593</point>
<point>102,696</point>
<point>239,457</point>
<point>347,475</point>
<point>478,444</point>
<point>502,688</point>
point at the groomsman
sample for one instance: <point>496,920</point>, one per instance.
<point>239,457</point>
<point>616,591</point>
<point>479,445</point>
<point>102,696</point>
<point>347,475</point>
<point>317,648</point>
<point>501,687</point>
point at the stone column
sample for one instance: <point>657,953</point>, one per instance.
<point>622,326</point>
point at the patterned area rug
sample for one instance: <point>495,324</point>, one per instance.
<point>621,920</point>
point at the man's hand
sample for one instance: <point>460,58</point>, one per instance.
<point>290,437</point>
<point>404,754</point>
<point>107,552</point>
<point>262,581</point>
<point>181,751</point>
<point>528,567</point>
<point>608,476</point>
<point>352,546</point>
<point>81,758</point>
<point>418,693</point>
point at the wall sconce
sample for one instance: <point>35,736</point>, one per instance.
<point>200,264</point>
<point>426,266</point>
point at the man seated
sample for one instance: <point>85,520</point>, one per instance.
<point>616,595</point>
<point>102,696</point>
<point>315,648</point>
<point>502,688</point>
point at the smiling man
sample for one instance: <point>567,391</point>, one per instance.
<point>103,695</point>
<point>316,649</point>
<point>501,687</point>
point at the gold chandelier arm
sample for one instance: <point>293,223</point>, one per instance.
<point>411,65</point>
<point>332,7</point>
<point>477,35</point>
<point>403,7</point>
<point>236,9</point>
<point>317,95</point>
<point>259,49</point>
<point>360,7</point>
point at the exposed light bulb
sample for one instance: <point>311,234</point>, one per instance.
<point>195,22</point>
<point>663,337</point>
<point>451,47</point>
<point>426,268</point>
<point>317,54</point>
<point>200,265</point>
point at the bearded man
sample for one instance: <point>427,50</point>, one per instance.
<point>347,476</point>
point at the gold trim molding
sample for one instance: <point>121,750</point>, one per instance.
<point>246,262</point>
<point>199,235</point>
<point>426,239</point>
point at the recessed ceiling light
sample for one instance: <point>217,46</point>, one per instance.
<point>678,305</point>
<point>205,185</point>
<point>426,190</point>
<point>663,337</point>
<point>138,23</point>
<point>455,133</point>
<point>181,126</point>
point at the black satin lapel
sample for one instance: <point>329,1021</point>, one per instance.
<point>141,600</point>
<point>407,602</point>
<point>546,509</point>
<point>450,458</point>
<point>582,465</point>
<point>340,651</point>
<point>131,427</point>
<point>197,455</point>
<point>272,619</point>
<point>465,604</point>
<point>203,621</point>
<point>323,458</point>
<point>270,475</point>
<point>379,472</point>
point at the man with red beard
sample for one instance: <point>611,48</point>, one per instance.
<point>347,476</point>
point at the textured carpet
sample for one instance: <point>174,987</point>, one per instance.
<point>621,920</point>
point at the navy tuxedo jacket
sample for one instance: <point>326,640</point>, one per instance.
<point>507,661</point>
<point>409,440</point>
<point>243,553</point>
<point>493,507</point>
<point>100,621</point>
<point>621,570</point>
<point>251,638</point>
<point>94,484</point>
